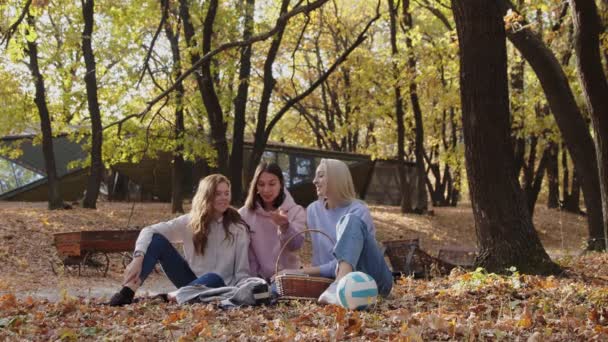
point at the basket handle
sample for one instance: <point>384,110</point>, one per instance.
<point>276,265</point>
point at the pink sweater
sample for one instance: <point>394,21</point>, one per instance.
<point>267,239</point>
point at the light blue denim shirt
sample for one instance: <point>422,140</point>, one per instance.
<point>325,220</point>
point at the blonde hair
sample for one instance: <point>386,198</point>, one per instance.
<point>339,180</point>
<point>201,214</point>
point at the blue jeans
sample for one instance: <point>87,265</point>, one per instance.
<point>358,247</point>
<point>174,265</point>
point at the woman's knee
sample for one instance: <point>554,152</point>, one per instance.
<point>214,276</point>
<point>210,279</point>
<point>158,240</point>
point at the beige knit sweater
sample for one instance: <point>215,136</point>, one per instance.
<point>226,257</point>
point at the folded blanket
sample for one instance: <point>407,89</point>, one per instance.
<point>250,291</point>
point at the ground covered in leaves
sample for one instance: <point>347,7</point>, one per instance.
<point>37,304</point>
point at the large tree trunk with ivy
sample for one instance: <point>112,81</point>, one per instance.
<point>505,232</point>
<point>595,87</point>
<point>55,201</point>
<point>568,117</point>
<point>90,79</point>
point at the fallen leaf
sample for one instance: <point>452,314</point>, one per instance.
<point>8,301</point>
<point>525,320</point>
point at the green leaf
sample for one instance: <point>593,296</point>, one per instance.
<point>91,331</point>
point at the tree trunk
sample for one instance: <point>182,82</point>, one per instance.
<point>504,227</point>
<point>552,176</point>
<point>90,79</point>
<point>260,137</point>
<point>177,170</point>
<point>571,187</point>
<point>587,28</point>
<point>565,174</point>
<point>568,117</point>
<point>517,109</point>
<point>204,80</point>
<point>210,97</point>
<point>534,189</point>
<point>421,205</point>
<point>240,108</point>
<point>455,195</point>
<point>55,200</point>
<point>406,203</point>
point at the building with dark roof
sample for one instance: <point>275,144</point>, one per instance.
<point>23,178</point>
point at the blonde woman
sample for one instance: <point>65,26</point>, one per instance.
<point>215,241</point>
<point>347,220</point>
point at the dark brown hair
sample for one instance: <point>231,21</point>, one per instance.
<point>253,197</point>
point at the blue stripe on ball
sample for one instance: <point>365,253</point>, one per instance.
<point>342,294</point>
<point>358,278</point>
<point>361,307</point>
<point>364,293</point>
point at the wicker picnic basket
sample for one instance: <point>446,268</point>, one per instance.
<point>298,286</point>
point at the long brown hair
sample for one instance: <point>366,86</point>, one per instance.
<point>253,197</point>
<point>201,214</point>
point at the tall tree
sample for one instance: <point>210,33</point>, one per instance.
<point>421,204</point>
<point>90,79</point>
<point>55,200</point>
<point>204,78</point>
<point>264,124</point>
<point>591,72</point>
<point>240,105</point>
<point>210,97</point>
<point>406,202</point>
<point>568,117</point>
<point>177,170</point>
<point>504,227</point>
<point>205,81</point>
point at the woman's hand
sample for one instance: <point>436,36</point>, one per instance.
<point>279,217</point>
<point>133,271</point>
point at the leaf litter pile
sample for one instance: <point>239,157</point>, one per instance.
<point>466,305</point>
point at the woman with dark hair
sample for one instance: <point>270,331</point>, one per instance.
<point>273,218</point>
<point>215,241</point>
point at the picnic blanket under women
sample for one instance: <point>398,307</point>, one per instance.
<point>247,292</point>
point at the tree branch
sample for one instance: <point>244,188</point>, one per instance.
<point>13,28</point>
<point>323,77</point>
<point>165,4</point>
<point>240,43</point>
<point>437,13</point>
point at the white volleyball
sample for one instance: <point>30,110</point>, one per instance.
<point>357,291</point>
